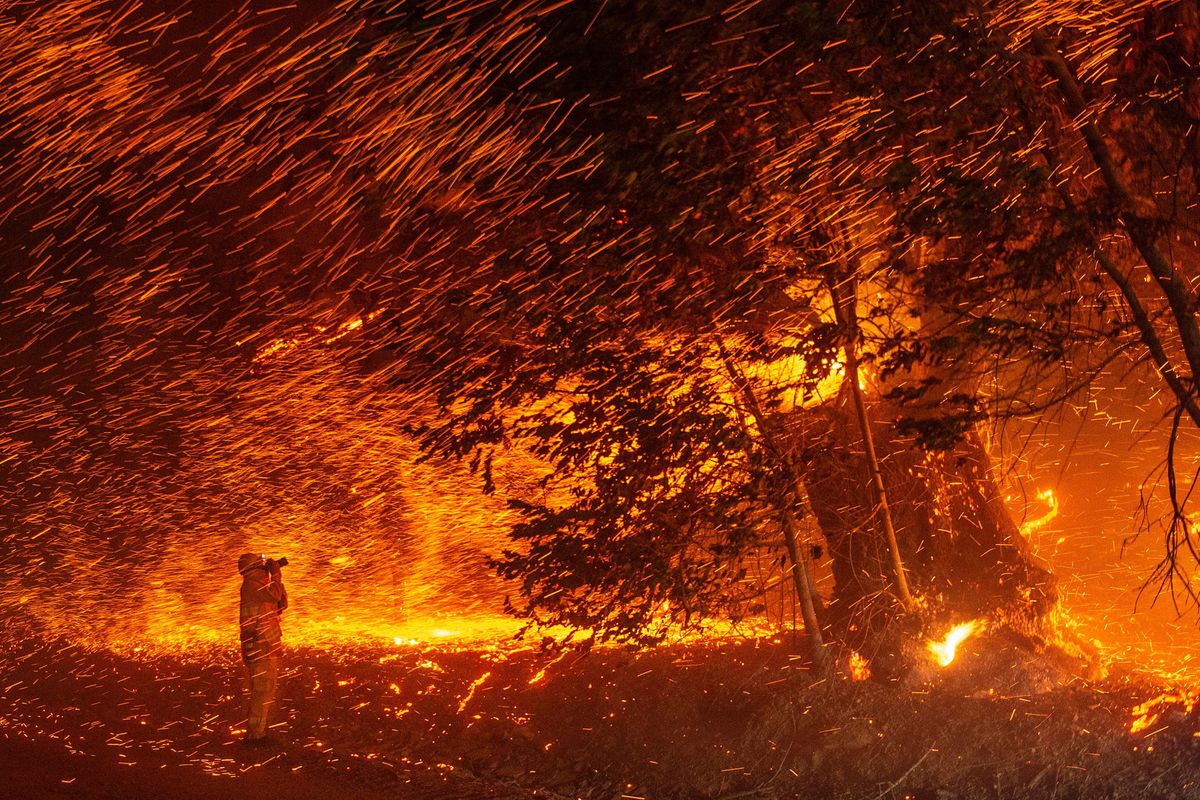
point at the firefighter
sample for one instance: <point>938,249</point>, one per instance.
<point>263,602</point>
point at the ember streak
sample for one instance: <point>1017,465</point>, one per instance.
<point>183,371</point>
<point>230,235</point>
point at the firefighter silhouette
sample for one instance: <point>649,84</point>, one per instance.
<point>263,600</point>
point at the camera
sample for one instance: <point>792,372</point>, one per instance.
<point>279,562</point>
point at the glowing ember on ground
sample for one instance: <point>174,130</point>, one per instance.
<point>945,650</point>
<point>462,704</point>
<point>1147,713</point>
<point>857,667</point>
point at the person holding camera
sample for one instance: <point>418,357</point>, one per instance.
<point>263,602</point>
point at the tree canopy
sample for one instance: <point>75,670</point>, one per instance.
<point>1004,192</point>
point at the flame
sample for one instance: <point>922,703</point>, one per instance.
<point>858,668</point>
<point>1147,713</point>
<point>1048,497</point>
<point>945,650</point>
<point>475,684</point>
<point>541,674</point>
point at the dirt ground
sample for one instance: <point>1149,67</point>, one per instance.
<point>709,721</point>
<point>45,770</point>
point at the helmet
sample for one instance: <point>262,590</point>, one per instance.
<point>249,561</point>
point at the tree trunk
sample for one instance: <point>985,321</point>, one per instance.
<point>800,569</point>
<point>802,581</point>
<point>964,554</point>
<point>846,309</point>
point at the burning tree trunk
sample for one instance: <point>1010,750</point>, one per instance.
<point>965,555</point>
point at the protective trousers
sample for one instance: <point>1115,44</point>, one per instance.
<point>262,680</point>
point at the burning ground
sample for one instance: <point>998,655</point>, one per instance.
<point>477,719</point>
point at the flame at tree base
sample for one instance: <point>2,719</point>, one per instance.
<point>946,649</point>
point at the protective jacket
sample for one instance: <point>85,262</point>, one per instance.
<point>263,601</point>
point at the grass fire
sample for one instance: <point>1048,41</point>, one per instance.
<point>599,399</point>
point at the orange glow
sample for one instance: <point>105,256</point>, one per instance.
<point>857,666</point>
<point>945,650</point>
<point>475,684</point>
<point>1147,713</point>
<point>1048,497</point>
<point>540,675</point>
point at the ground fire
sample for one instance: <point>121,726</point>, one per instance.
<point>747,398</point>
<point>945,650</point>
